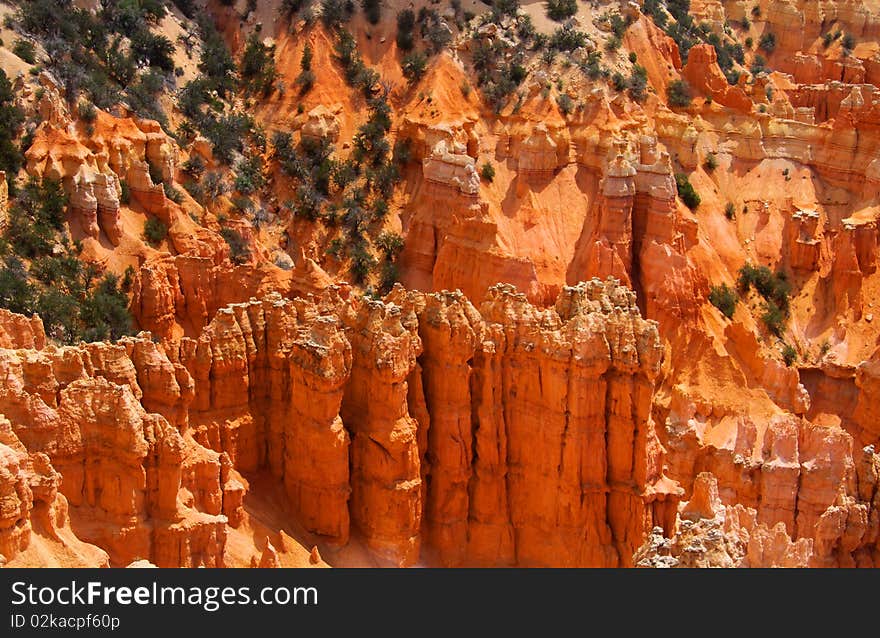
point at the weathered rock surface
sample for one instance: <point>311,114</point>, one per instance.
<point>412,421</point>
<point>137,486</point>
<point>710,534</point>
<point>507,424</point>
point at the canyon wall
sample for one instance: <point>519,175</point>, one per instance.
<point>434,431</point>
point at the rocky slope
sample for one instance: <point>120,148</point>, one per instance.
<point>582,363</point>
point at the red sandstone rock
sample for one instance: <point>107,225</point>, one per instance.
<point>136,486</point>
<point>508,429</point>
<point>705,76</point>
<point>712,535</point>
<point>17,331</point>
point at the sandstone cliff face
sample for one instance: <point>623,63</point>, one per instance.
<point>505,436</point>
<point>437,432</point>
<point>576,490</point>
<point>470,434</point>
<point>91,168</point>
<point>504,425</point>
<point>705,76</point>
<point>386,499</point>
<point>136,486</point>
<point>17,331</point>
<point>34,522</point>
<point>713,535</point>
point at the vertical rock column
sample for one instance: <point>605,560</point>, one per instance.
<point>633,451</point>
<point>491,539</point>
<point>386,501</point>
<point>316,445</point>
<point>447,324</point>
<point>611,250</point>
<point>534,386</point>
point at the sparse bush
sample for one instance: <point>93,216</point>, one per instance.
<point>775,290</point>
<point>567,38</point>
<point>26,50</point>
<point>16,292</point>
<point>402,153</point>
<point>335,248</point>
<point>215,186</point>
<point>487,172</point>
<point>724,298</point>
<point>249,175</point>
<point>436,31</point>
<point>638,83</point>
<point>390,244</point>
<point>525,29</point>
<point>759,65</point>
<point>380,209</point>
<point>679,93</point>
<point>243,204</point>
<point>774,318</point>
<point>196,190</point>
<point>258,65</point>
<point>226,135</point>
<point>125,192</point>
<point>767,42</point>
<point>848,43</point>
<point>619,25</point>
<point>388,277</point>
<point>194,166</point>
<point>373,10</point>
<point>560,10</point>
<point>238,249</point>
<point>11,118</point>
<point>155,231</point>
<point>152,49</point>
<point>789,354</point>
<point>769,285</point>
<point>173,193</point>
<point>501,8</point>
<point>216,62</point>
<point>612,44</point>
<point>290,7</point>
<point>306,78</point>
<point>686,191</point>
<point>591,65</point>
<point>711,162</point>
<point>187,7</point>
<point>35,217</point>
<point>565,103</point>
<point>104,313</point>
<point>362,262</point>
<point>406,22</point>
<point>414,65</point>
<point>335,12</point>
<point>87,112</point>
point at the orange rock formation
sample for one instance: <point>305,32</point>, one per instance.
<point>511,403</point>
